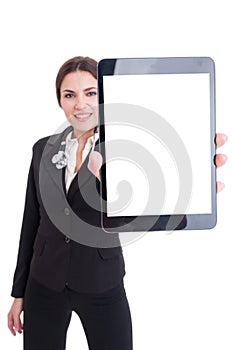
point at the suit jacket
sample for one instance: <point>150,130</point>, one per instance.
<point>62,242</point>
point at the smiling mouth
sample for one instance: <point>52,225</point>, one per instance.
<point>82,117</point>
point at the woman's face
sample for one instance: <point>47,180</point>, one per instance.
<point>79,100</point>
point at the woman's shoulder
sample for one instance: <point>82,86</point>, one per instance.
<point>41,143</point>
<point>51,139</point>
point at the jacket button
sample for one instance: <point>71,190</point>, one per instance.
<point>67,211</point>
<point>67,239</point>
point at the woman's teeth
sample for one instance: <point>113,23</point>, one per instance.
<point>82,117</point>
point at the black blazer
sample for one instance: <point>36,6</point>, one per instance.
<point>62,242</point>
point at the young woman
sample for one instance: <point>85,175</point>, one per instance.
<point>55,274</point>
<point>65,261</point>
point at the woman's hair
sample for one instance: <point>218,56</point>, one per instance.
<point>86,64</point>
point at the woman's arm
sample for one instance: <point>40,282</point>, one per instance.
<point>31,219</point>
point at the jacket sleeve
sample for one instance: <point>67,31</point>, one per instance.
<point>30,223</point>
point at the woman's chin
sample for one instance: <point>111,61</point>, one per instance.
<point>83,126</point>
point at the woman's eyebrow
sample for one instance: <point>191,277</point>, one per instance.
<point>87,89</point>
<point>90,88</point>
<point>67,90</point>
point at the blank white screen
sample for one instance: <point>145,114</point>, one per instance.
<point>184,101</point>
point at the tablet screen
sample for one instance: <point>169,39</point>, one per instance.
<point>157,129</point>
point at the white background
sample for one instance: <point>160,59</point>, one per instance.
<point>179,285</point>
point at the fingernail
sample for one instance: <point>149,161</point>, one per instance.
<point>225,158</point>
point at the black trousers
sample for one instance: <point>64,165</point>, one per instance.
<point>105,318</point>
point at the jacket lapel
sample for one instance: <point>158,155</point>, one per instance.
<point>58,175</point>
<point>51,148</point>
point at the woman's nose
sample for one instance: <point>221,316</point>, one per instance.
<point>79,103</point>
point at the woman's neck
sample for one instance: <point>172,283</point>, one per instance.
<point>82,136</point>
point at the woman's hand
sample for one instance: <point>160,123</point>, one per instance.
<point>220,159</point>
<point>14,321</point>
<point>95,160</point>
<point>95,163</point>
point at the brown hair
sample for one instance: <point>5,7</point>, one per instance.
<point>72,65</point>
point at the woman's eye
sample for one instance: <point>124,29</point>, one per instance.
<point>69,95</point>
<point>91,93</point>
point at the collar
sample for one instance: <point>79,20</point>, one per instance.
<point>73,140</point>
<point>91,141</point>
<point>62,136</point>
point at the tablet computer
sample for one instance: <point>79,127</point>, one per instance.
<point>157,140</point>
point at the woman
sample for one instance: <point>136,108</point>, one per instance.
<point>56,275</point>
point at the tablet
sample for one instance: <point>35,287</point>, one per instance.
<point>157,140</point>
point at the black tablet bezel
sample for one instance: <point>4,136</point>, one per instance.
<point>165,65</point>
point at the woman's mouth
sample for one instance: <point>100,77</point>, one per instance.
<point>82,117</point>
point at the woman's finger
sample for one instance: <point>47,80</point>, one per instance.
<point>220,139</point>
<point>220,186</point>
<point>17,324</point>
<point>11,324</point>
<point>220,160</point>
